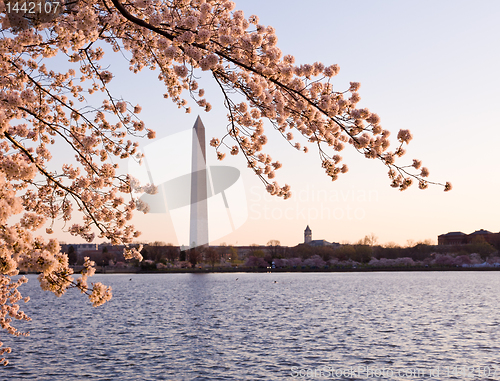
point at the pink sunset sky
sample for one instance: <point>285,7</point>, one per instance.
<point>431,67</point>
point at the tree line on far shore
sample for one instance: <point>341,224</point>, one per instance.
<point>366,252</point>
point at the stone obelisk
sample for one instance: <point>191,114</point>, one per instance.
<point>198,232</point>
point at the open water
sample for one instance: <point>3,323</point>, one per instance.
<point>356,326</point>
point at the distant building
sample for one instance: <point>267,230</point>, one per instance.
<point>317,242</point>
<point>94,251</point>
<point>307,234</point>
<point>322,242</point>
<point>452,238</point>
<point>79,247</point>
<point>480,235</point>
<point>459,238</point>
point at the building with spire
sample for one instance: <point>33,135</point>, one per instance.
<point>317,242</point>
<point>307,234</point>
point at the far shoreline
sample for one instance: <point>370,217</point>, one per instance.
<point>288,270</point>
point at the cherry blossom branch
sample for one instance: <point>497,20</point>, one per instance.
<point>345,122</point>
<point>42,170</point>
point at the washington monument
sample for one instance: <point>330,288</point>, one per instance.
<point>198,229</point>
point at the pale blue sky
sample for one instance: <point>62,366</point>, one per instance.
<point>427,66</point>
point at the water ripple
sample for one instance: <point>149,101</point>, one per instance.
<point>210,327</point>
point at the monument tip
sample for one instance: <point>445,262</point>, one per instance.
<point>198,121</point>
